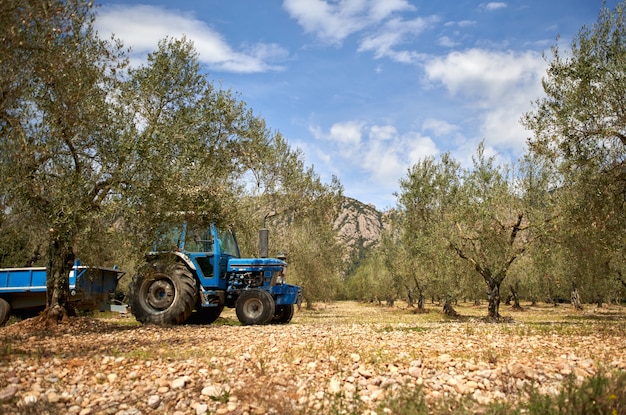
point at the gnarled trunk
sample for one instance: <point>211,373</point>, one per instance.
<point>515,295</point>
<point>420,301</point>
<point>409,297</point>
<point>448,309</point>
<point>60,263</point>
<point>575,298</point>
<point>494,298</point>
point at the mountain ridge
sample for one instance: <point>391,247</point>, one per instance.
<point>359,228</point>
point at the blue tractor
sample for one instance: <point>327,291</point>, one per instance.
<point>195,273</point>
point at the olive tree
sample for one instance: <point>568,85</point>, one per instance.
<point>406,263</point>
<point>53,116</point>
<point>476,215</point>
<point>580,127</point>
<point>429,191</point>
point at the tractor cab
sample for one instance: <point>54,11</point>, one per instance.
<point>206,250</point>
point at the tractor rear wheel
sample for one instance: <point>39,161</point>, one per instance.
<point>163,294</point>
<point>283,314</point>
<point>255,307</point>
<point>5,311</point>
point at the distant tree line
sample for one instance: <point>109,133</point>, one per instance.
<point>549,228</point>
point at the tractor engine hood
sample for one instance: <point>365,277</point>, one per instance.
<point>255,264</point>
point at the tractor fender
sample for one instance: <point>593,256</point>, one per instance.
<point>184,258</point>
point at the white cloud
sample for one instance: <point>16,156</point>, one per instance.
<point>493,6</point>
<point>347,133</point>
<point>335,20</point>
<point>378,155</point>
<point>498,86</point>
<point>393,33</point>
<point>142,26</point>
<point>375,22</point>
<point>331,22</point>
<point>383,133</point>
<point>380,9</point>
<point>386,157</point>
<point>447,42</point>
<point>485,74</point>
<point>462,23</point>
<point>342,137</point>
<point>439,127</point>
<point>419,147</point>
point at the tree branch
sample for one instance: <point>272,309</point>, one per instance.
<point>464,256</point>
<point>516,228</point>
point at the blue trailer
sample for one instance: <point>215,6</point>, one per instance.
<point>24,289</point>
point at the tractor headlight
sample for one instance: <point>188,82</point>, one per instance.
<point>280,278</point>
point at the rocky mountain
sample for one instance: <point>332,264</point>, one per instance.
<point>360,227</point>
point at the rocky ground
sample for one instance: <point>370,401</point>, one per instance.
<point>337,358</point>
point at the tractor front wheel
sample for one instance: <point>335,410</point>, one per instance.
<point>163,294</point>
<point>283,314</point>
<point>255,307</point>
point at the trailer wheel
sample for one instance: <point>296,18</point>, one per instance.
<point>162,294</point>
<point>283,314</point>
<point>5,311</point>
<point>255,307</point>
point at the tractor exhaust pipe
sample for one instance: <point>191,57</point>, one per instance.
<point>264,236</point>
<point>264,239</point>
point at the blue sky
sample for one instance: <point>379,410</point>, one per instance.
<point>366,88</point>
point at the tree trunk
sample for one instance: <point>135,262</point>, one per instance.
<point>448,310</point>
<point>575,298</point>
<point>515,295</point>
<point>409,297</point>
<point>599,301</point>
<point>494,299</point>
<point>420,301</point>
<point>60,263</point>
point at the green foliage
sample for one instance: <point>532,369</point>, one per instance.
<point>406,401</point>
<point>314,262</point>
<point>459,218</point>
<point>582,121</point>
<point>280,193</point>
<point>548,225</point>
<point>579,133</point>
<point>430,188</point>
<point>55,119</point>
<point>604,393</point>
<point>373,280</point>
<point>97,155</point>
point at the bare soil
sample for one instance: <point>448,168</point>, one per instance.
<point>342,357</point>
